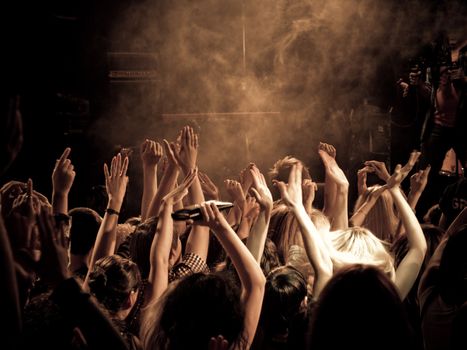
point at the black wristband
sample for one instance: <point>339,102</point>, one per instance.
<point>110,211</point>
<point>62,217</point>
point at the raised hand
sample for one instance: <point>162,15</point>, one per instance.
<point>218,343</point>
<point>151,153</point>
<point>414,155</point>
<point>210,190</point>
<point>400,173</point>
<point>188,153</point>
<point>246,180</point>
<point>328,156</point>
<point>251,210</point>
<point>171,152</point>
<point>213,218</point>
<point>177,194</point>
<point>361,179</point>
<point>291,193</point>
<point>419,180</point>
<point>116,181</point>
<point>260,189</point>
<point>375,193</point>
<point>309,189</point>
<point>235,191</point>
<point>379,168</point>
<point>63,174</point>
<point>329,149</point>
<point>404,87</point>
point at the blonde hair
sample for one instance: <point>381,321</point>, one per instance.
<point>358,245</point>
<point>284,231</point>
<point>382,219</point>
<point>281,169</point>
<point>320,220</point>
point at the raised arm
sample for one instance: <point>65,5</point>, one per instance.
<point>361,180</point>
<point>115,183</point>
<point>408,269</point>
<point>162,242</point>
<point>249,271</point>
<point>63,176</point>
<point>418,182</point>
<point>336,210</point>
<point>169,178</point>
<point>198,239</point>
<point>315,248</point>
<point>330,188</point>
<point>210,190</point>
<point>257,237</point>
<point>358,218</point>
<point>236,193</point>
<point>309,189</point>
<point>151,153</point>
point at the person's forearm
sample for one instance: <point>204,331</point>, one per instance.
<point>314,246</point>
<point>414,232</point>
<point>330,190</point>
<point>107,235</point>
<point>234,215</point>
<point>244,229</point>
<point>149,189</point>
<point>198,240</point>
<point>166,185</point>
<point>249,271</point>
<point>160,254</point>
<point>60,203</point>
<point>257,237</point>
<point>358,218</point>
<point>162,242</point>
<point>106,238</point>
<point>340,218</point>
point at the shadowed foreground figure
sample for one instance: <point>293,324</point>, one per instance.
<point>360,308</point>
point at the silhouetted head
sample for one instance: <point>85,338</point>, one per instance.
<point>193,310</point>
<point>360,308</point>
<point>284,298</point>
<point>113,280</point>
<point>433,235</point>
<point>83,231</point>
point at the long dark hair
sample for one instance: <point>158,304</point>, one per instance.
<point>193,310</point>
<point>285,290</point>
<point>112,280</point>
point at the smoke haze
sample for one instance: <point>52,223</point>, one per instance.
<point>309,65</point>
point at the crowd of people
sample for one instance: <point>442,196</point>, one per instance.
<point>265,272</point>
